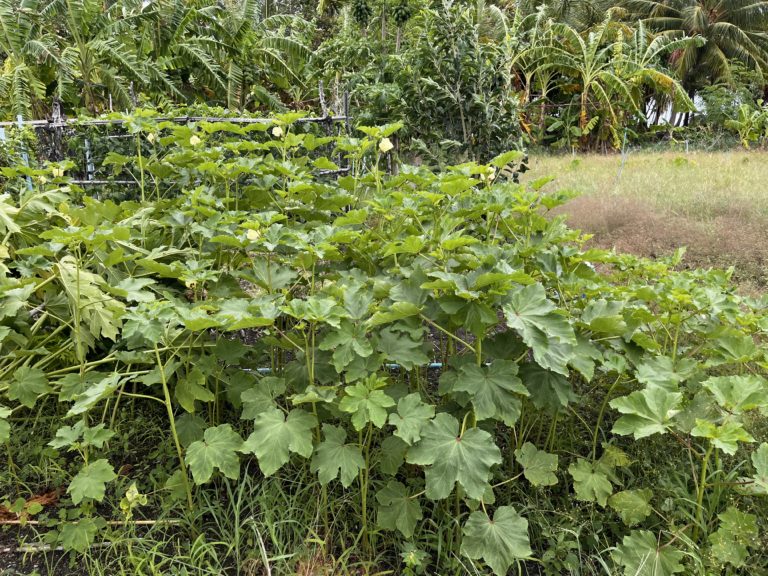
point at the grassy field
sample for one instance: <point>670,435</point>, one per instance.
<point>715,204</point>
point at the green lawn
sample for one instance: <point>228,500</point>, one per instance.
<point>715,204</point>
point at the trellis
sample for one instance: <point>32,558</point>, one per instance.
<point>330,121</point>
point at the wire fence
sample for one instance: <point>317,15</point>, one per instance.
<point>87,141</point>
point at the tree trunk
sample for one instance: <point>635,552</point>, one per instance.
<point>383,24</point>
<point>583,120</point>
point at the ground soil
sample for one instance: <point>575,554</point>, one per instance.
<point>629,225</point>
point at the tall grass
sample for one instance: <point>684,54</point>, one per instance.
<point>698,185</point>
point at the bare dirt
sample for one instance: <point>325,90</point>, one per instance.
<point>628,225</point>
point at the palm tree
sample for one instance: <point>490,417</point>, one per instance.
<point>187,41</point>
<point>29,55</point>
<point>733,30</point>
<point>590,61</point>
<point>652,83</point>
<point>610,71</point>
<point>270,53</point>
<point>579,14</point>
<point>99,61</point>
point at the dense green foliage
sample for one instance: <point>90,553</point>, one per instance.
<point>96,55</point>
<point>268,348</point>
<point>469,79</point>
<point>423,373</point>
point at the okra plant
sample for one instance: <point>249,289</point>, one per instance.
<point>438,341</point>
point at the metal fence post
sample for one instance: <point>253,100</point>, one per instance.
<point>24,155</point>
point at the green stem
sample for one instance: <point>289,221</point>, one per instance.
<point>600,416</point>
<point>675,341</point>
<point>700,492</point>
<point>141,166</point>
<point>447,333</point>
<point>172,421</point>
<point>364,477</point>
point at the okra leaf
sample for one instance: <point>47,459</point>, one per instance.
<point>739,394</point>
<point>276,436</point>
<point>335,459</point>
<point>367,403</point>
<point>91,481</point>
<point>27,384</point>
<point>737,531</point>
<point>397,509</point>
<point>632,505</point>
<point>725,436</point>
<point>539,467</point>
<point>590,482</point>
<point>217,450</point>
<point>646,412</point>
<point>642,554</point>
<point>495,390</point>
<point>412,415</point>
<point>498,541</point>
<point>452,457</point>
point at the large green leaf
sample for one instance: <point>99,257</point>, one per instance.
<point>261,397</point>
<point>275,436</point>
<point>217,450</point>
<point>632,506</point>
<point>473,315</point>
<point>81,436</point>
<point>84,289</point>
<point>78,536</point>
<point>739,394</point>
<point>641,554</point>
<point>664,372</point>
<point>499,542</point>
<point>539,467</point>
<point>27,384</point>
<point>397,509</point>
<point>348,341</point>
<point>315,309</point>
<point>760,462</point>
<point>367,403</point>
<point>192,387</point>
<point>95,393</point>
<point>5,426</point>
<point>399,348</point>
<point>725,436</point>
<point>190,428</point>
<point>646,412</point>
<point>549,390</point>
<point>412,414</point>
<point>452,457</point>
<point>91,481</point>
<point>392,454</point>
<point>737,531</point>
<point>494,390</point>
<point>548,333</point>
<point>333,458</point>
<point>605,317</point>
<point>590,482</point>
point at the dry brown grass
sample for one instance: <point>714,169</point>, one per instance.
<point>714,205</point>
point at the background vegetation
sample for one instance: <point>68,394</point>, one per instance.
<point>467,79</point>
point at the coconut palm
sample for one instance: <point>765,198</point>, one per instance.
<point>733,30</point>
